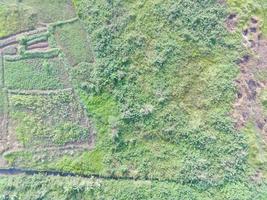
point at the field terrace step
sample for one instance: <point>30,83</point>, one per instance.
<point>14,39</point>
<point>39,46</point>
<point>39,92</point>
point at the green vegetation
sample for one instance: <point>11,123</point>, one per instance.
<point>36,74</point>
<point>46,188</point>
<point>157,80</point>
<point>161,71</point>
<point>14,18</point>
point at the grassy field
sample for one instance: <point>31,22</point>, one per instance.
<point>74,42</point>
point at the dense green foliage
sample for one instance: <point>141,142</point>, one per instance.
<point>163,64</point>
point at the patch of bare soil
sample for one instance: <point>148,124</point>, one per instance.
<point>248,106</point>
<point>39,46</point>
<point>231,22</point>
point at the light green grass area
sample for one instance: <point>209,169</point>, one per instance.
<point>74,42</point>
<point>14,18</point>
<point>46,188</point>
<point>47,120</point>
<point>42,74</point>
<point>47,11</point>
<point>257,148</point>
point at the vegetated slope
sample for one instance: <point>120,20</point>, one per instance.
<point>168,69</point>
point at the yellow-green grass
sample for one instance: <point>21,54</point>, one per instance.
<point>14,18</point>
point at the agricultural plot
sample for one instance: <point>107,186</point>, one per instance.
<point>47,120</point>
<point>41,116</point>
<point>43,74</point>
<point>46,11</point>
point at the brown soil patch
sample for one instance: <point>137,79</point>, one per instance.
<point>248,106</point>
<point>231,22</point>
<point>38,46</point>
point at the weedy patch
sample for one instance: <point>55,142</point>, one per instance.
<point>47,120</point>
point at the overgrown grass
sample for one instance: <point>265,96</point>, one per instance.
<point>74,42</point>
<point>14,18</point>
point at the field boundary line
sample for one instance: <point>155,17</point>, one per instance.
<point>39,92</point>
